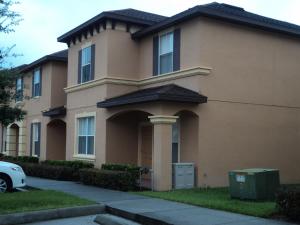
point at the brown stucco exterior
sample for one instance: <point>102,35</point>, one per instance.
<point>251,119</point>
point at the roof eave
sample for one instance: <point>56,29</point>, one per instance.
<point>41,61</point>
<point>98,19</point>
<point>211,14</point>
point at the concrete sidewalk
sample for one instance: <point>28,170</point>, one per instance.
<point>156,209</point>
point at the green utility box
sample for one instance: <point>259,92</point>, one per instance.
<point>254,184</point>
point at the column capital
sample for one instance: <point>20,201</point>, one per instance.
<point>159,119</point>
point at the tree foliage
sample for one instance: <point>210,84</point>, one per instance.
<point>8,112</point>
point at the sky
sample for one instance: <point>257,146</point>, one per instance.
<point>45,20</point>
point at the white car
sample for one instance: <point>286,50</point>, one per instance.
<point>11,176</point>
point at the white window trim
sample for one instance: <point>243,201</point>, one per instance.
<point>32,139</point>
<point>179,139</point>
<point>81,74</point>
<point>75,153</point>
<point>18,101</point>
<point>159,36</point>
<point>33,87</point>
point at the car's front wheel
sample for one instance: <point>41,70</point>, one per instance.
<point>5,184</point>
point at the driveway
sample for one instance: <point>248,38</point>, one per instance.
<point>157,209</point>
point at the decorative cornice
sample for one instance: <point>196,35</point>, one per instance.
<point>146,81</point>
<point>162,119</point>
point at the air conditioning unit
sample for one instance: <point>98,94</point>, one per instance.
<point>183,175</point>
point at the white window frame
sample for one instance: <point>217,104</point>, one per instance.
<point>76,154</point>
<point>179,136</point>
<point>19,88</point>
<point>35,137</point>
<point>34,83</point>
<point>82,65</point>
<point>159,53</point>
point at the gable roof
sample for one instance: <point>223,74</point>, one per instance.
<point>125,15</point>
<point>61,56</point>
<point>224,12</point>
<point>170,92</point>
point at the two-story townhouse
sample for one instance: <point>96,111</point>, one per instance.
<point>40,92</point>
<point>214,85</point>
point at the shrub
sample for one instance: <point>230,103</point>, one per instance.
<point>122,167</point>
<point>73,164</point>
<point>288,202</point>
<point>117,180</point>
<point>29,159</point>
<point>50,172</point>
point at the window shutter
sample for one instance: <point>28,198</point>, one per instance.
<point>38,147</point>
<point>22,88</point>
<point>92,62</point>
<point>176,50</point>
<point>32,85</point>
<point>79,66</point>
<point>155,55</point>
<point>31,138</point>
<point>40,91</point>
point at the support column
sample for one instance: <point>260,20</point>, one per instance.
<point>162,152</point>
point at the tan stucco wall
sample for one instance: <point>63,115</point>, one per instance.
<point>54,77</point>
<point>251,118</point>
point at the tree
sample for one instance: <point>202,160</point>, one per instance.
<point>8,112</point>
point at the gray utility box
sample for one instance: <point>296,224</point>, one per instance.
<point>254,184</point>
<point>183,175</point>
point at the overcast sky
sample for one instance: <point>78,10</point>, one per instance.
<point>45,20</point>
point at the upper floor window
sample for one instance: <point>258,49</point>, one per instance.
<point>166,53</point>
<point>86,64</point>
<point>86,135</point>
<point>19,89</point>
<point>36,83</point>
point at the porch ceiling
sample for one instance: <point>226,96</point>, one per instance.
<point>170,93</point>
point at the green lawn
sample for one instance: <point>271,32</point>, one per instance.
<point>37,200</point>
<point>216,198</point>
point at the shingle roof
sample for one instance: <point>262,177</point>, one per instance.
<point>61,56</point>
<point>224,12</point>
<point>57,111</point>
<point>126,15</point>
<point>170,92</point>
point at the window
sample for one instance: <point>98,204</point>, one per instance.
<point>86,135</point>
<point>36,84</point>
<point>86,72</point>
<point>175,143</point>
<point>165,53</point>
<point>19,89</point>
<point>35,138</point>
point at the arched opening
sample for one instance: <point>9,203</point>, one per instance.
<point>12,144</point>
<point>129,140</point>
<point>56,140</point>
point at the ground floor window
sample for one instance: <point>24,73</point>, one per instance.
<point>86,135</point>
<point>35,138</point>
<point>175,142</point>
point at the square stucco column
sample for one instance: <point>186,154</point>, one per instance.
<point>162,152</point>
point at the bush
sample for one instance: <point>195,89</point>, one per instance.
<point>288,202</point>
<point>121,167</point>
<point>50,172</point>
<point>26,159</point>
<point>117,180</point>
<point>73,164</point>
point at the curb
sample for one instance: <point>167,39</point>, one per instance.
<point>108,219</point>
<point>139,218</point>
<point>43,215</point>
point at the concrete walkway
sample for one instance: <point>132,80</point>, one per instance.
<point>157,209</point>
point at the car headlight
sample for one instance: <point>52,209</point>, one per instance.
<point>19,169</point>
